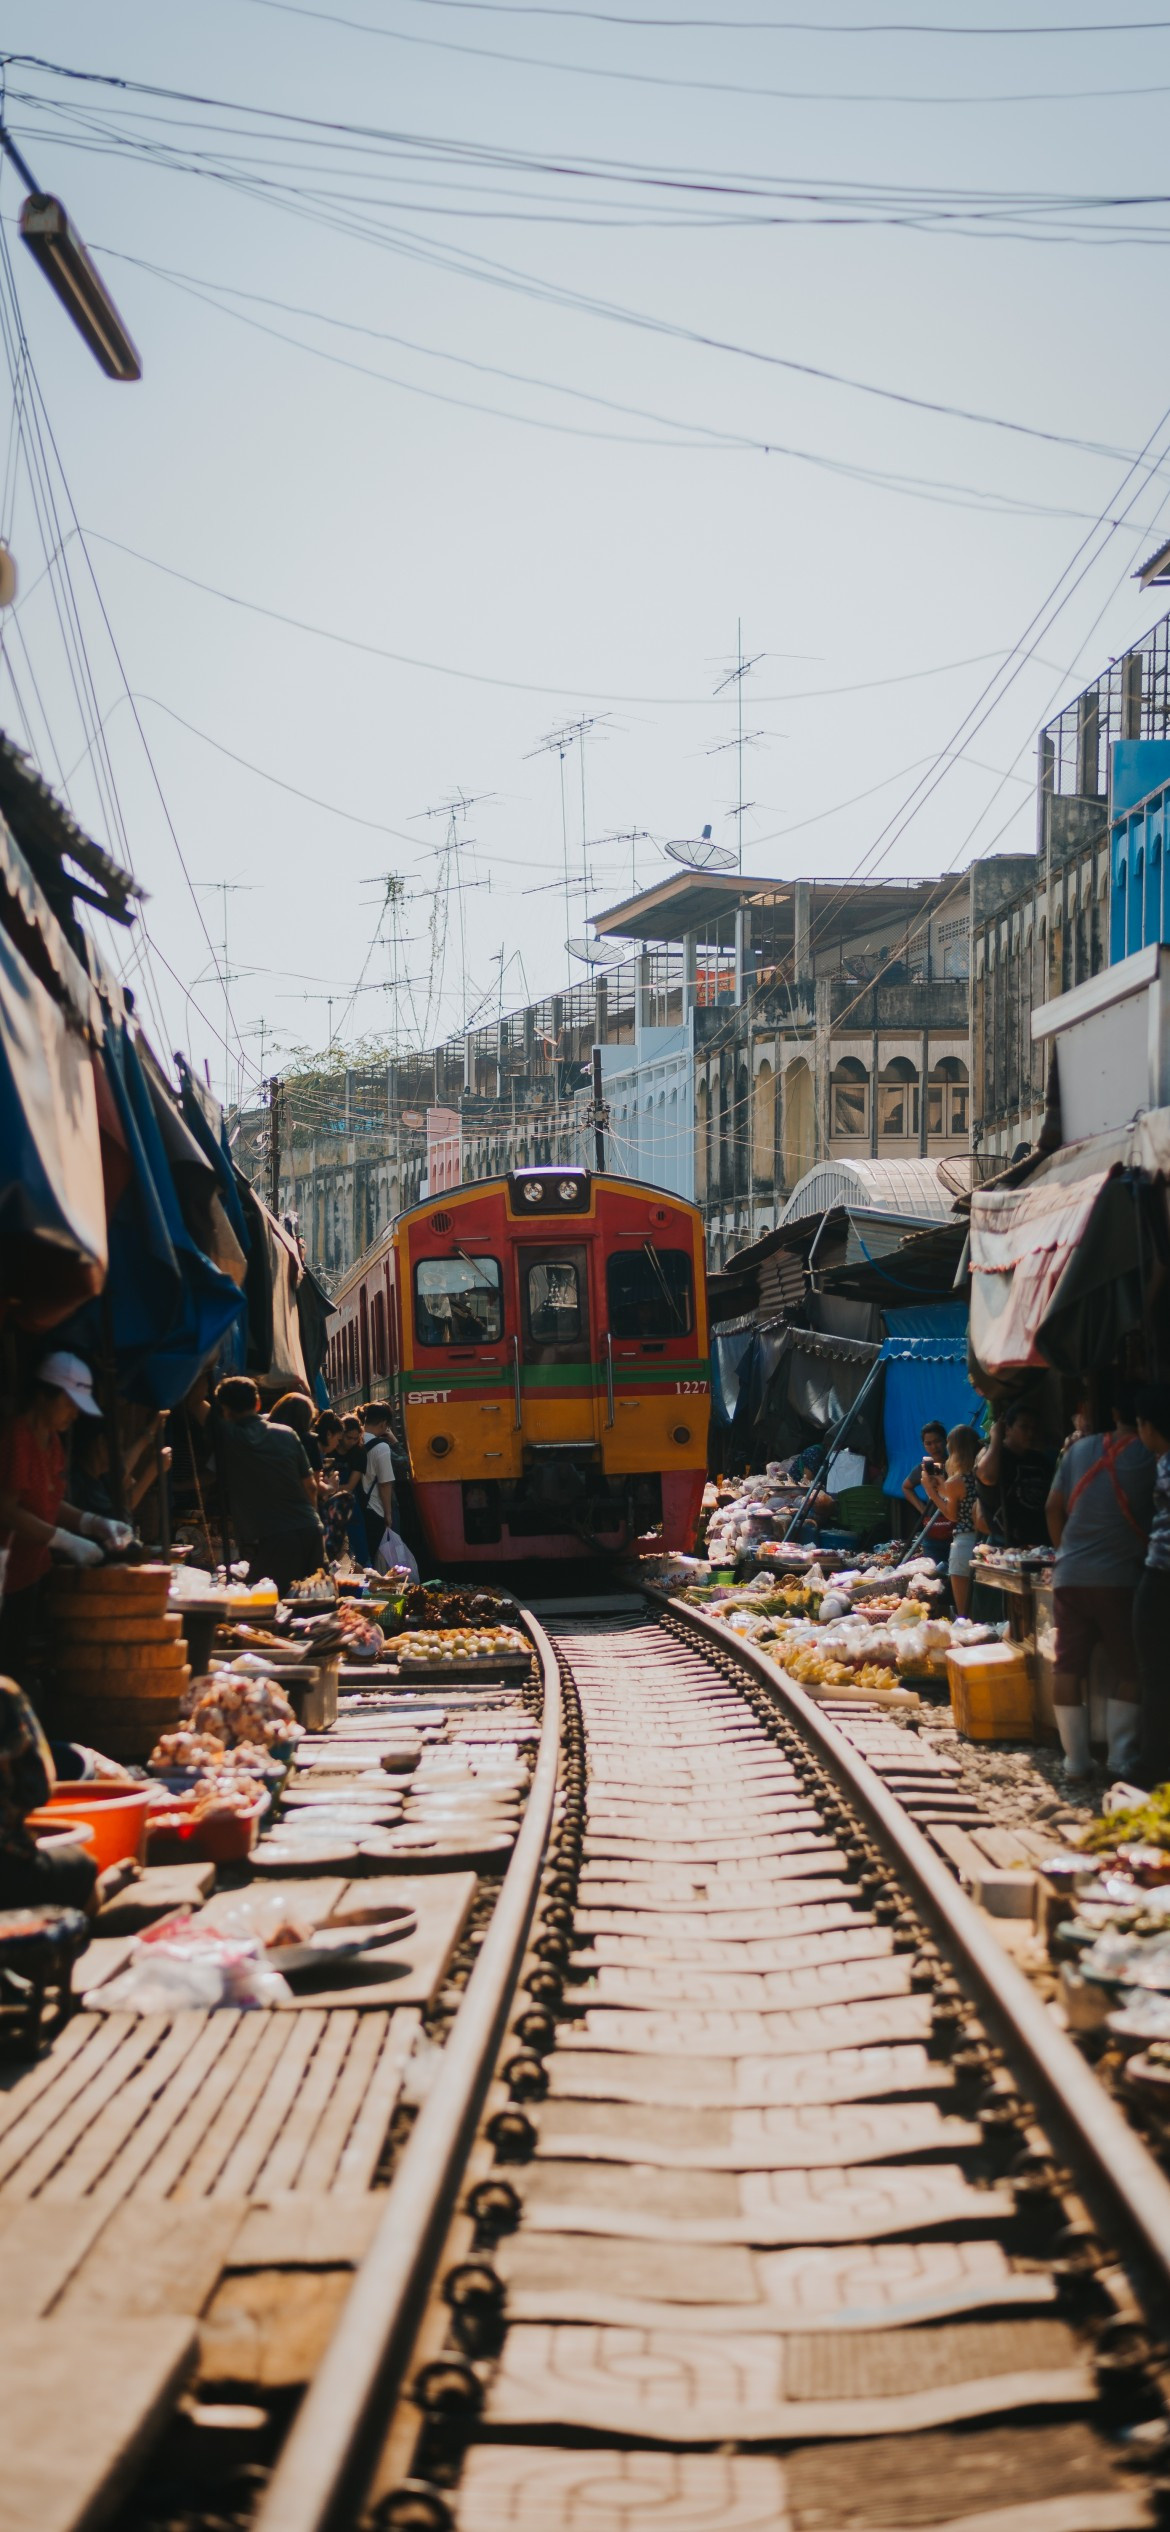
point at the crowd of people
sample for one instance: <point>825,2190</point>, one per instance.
<point>299,1487</point>
<point>1103,1503</point>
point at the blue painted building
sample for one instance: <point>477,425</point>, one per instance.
<point>1139,866</point>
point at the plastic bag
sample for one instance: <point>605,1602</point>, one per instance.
<point>393,1550</point>
<point>184,1968</point>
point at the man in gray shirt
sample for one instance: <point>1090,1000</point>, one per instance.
<point>270,1487</point>
<point>1099,1512</point>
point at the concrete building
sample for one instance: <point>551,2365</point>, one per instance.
<point>755,1028</point>
<point>1093,891</point>
<point>798,1020</point>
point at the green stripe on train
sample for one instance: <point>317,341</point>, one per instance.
<point>555,1376</point>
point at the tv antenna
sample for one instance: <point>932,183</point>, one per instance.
<point>223,971</point>
<point>395,896</point>
<point>454,813</point>
<point>698,852</point>
<point>633,836</point>
<point>735,677</point>
<point>558,742</point>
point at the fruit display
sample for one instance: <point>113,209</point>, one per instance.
<point>1142,1824</point>
<point>816,1669</point>
<point>444,1647</point>
<point>429,1605</point>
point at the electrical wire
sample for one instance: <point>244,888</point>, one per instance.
<point>514,685</point>
<point>706,87</point>
<point>710,436</point>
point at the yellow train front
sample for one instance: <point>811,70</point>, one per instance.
<point>547,1355</point>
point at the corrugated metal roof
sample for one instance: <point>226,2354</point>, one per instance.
<point>910,1190</point>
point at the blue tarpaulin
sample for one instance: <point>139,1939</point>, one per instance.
<point>926,1381</point>
<point>928,1318</point>
<point>727,1353</point>
<point>168,1306</point>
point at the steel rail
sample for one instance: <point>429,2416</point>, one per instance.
<point>1126,2193</point>
<point>324,2468</point>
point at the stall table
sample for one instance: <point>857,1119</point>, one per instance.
<point>1026,1589</point>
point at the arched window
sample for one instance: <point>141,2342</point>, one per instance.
<point>741,1139</point>
<point>897,1099</point>
<point>726,1156</point>
<point>849,1097</point>
<point>764,1125</point>
<point>948,1097</point>
<point>799,1122</point>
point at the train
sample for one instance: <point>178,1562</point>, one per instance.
<point>541,1338</point>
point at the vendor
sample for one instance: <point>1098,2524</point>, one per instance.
<point>34,1515</point>
<point>1013,1474</point>
<point>270,1487</point>
<point>89,1467</point>
<point>1151,1607</point>
<point>844,1469</point>
<point>1099,1512</point>
<point>66,1878</point>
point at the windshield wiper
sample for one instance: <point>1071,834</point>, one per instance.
<point>671,1303</point>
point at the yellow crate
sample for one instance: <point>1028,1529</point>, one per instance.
<point>991,1692</point>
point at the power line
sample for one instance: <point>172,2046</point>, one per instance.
<point>717,87</point>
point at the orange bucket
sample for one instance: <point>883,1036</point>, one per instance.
<point>115,1813</point>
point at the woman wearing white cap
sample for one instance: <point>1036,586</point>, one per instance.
<point>33,1512</point>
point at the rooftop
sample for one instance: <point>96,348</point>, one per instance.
<point>697,900</point>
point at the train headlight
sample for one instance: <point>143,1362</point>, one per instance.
<point>679,1433</point>
<point>439,1445</point>
<point>567,1190</point>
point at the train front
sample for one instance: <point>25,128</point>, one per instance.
<point>555,1384</point>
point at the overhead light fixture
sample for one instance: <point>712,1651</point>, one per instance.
<point>67,265</point>
<point>51,238</point>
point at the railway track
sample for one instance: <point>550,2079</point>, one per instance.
<point>757,2189</point>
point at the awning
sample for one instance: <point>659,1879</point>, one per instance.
<point>275,1353</point>
<point>169,1306</point>
<point>30,919</point>
<point>53,1252</point>
<point>1023,1240</point>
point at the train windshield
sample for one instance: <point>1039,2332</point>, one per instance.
<point>651,1293</point>
<point>556,1302</point>
<point>458,1301</point>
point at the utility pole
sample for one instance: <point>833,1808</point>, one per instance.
<point>598,1116</point>
<point>275,1093</point>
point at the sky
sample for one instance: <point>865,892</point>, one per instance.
<point>500,363</point>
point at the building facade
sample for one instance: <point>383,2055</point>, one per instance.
<point>1094,890</point>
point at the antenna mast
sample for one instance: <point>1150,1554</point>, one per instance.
<point>558,742</point>
<point>225,888</point>
<point>735,677</point>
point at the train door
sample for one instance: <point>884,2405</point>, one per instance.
<point>556,1347</point>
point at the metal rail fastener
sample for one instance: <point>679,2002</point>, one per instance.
<point>324,2468</point>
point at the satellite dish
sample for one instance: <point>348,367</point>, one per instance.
<point>699,853</point>
<point>596,953</point>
